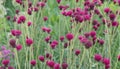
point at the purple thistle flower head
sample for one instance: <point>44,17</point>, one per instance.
<point>97,57</point>
<point>106,61</point>
<point>101,42</point>
<point>48,55</point>
<point>41,58</point>
<point>5,62</point>
<point>19,47</point>
<point>29,23</point>
<point>112,16</point>
<point>77,52</point>
<point>107,10</point>
<point>118,57</point>
<point>22,18</point>
<point>19,1</point>
<point>33,62</point>
<point>61,38</point>
<point>45,18</point>
<point>41,4</point>
<point>53,45</point>
<point>93,33</point>
<point>47,39</point>
<point>50,63</point>
<point>58,1</point>
<point>64,65</point>
<point>107,66</point>
<point>11,67</point>
<point>115,24</point>
<point>12,42</point>
<point>29,41</point>
<point>88,44</point>
<point>8,17</point>
<point>17,11</point>
<point>69,36</point>
<point>16,33</point>
<point>56,66</point>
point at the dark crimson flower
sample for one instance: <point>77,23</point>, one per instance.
<point>77,0</point>
<point>64,65</point>
<point>14,19</point>
<point>33,62</point>
<point>88,44</point>
<point>29,4</point>
<point>115,24</point>
<point>112,16</point>
<point>106,61</point>
<point>55,42</point>
<point>12,42</point>
<point>87,34</point>
<point>79,19</point>
<point>69,36</point>
<point>11,67</point>
<point>97,11</point>
<point>77,52</point>
<point>58,1</point>
<point>87,17</point>
<point>97,57</point>
<point>95,27</point>
<point>44,29</point>
<point>16,33</point>
<point>36,9</point>
<point>19,1</point>
<point>19,47</point>
<point>95,22</point>
<point>22,18</point>
<point>29,23</point>
<point>119,2</point>
<point>107,66</point>
<point>45,18</point>
<point>19,21</point>
<point>47,39</point>
<point>83,40</point>
<point>8,17</point>
<point>61,38</point>
<point>101,42</point>
<point>80,37</point>
<point>29,41</point>
<point>56,66</point>
<point>41,58</point>
<point>48,55</point>
<point>5,62</point>
<point>64,12</point>
<point>115,1</point>
<point>48,30</point>
<point>29,11</point>
<point>41,4</point>
<point>69,13</point>
<point>91,5</point>
<point>118,57</point>
<point>94,38</point>
<point>50,63</point>
<point>17,11</point>
<point>61,7</point>
<point>87,3</point>
<point>53,45</point>
<point>66,45</point>
<point>107,10</point>
<point>93,33</point>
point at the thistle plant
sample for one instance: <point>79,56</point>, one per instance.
<point>63,34</point>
